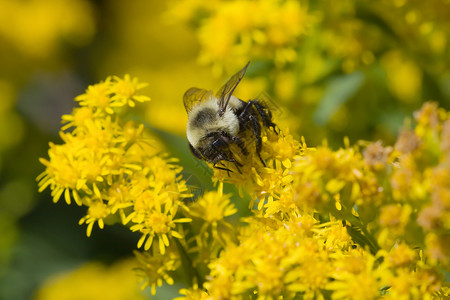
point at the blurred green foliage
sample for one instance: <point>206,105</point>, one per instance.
<point>351,68</point>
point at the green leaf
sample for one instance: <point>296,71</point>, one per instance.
<point>196,173</point>
<point>339,90</point>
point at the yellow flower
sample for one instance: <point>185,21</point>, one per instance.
<point>401,255</point>
<point>275,257</point>
<point>362,285</point>
<point>41,26</point>
<point>437,248</point>
<point>155,216</point>
<point>96,213</point>
<point>154,269</point>
<point>124,91</point>
<point>112,93</point>
<point>407,142</point>
<point>395,216</point>
<point>94,281</point>
<point>429,115</point>
<point>193,293</point>
<point>265,183</point>
<point>97,97</point>
<point>213,207</point>
<point>112,166</point>
<point>235,31</point>
<point>376,156</point>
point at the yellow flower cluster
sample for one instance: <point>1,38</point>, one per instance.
<point>390,200</point>
<point>236,31</point>
<point>301,257</point>
<point>279,151</point>
<point>360,222</point>
<point>112,167</point>
<point>39,25</point>
<point>94,281</point>
<point>155,268</point>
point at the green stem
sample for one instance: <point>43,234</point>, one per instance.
<point>364,237</point>
<point>374,247</point>
<point>188,267</point>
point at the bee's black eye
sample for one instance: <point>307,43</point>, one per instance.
<point>219,143</point>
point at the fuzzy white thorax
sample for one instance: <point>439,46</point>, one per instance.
<point>227,122</point>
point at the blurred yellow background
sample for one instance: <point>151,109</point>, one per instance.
<point>331,69</point>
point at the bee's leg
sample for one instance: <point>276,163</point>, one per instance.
<point>241,145</point>
<point>257,133</point>
<point>223,169</point>
<point>237,165</point>
<point>236,140</point>
<point>266,116</point>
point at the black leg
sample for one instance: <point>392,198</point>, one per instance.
<point>236,164</point>
<point>266,117</point>
<point>238,141</point>
<point>257,133</point>
<point>240,144</point>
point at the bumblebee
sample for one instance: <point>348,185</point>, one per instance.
<point>215,122</point>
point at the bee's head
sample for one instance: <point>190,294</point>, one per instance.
<point>215,146</point>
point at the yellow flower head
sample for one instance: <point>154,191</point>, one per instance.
<point>401,255</point>
<point>194,293</point>
<point>112,93</point>
<point>110,165</point>
<point>265,182</point>
<point>213,206</point>
<point>94,280</point>
<point>376,156</point>
<point>155,269</point>
<point>234,31</point>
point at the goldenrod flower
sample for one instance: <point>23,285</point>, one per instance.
<point>297,181</point>
<point>154,269</point>
<point>41,26</point>
<point>194,293</point>
<point>112,93</point>
<point>97,212</point>
<point>111,166</point>
<point>376,156</point>
<point>213,207</point>
<point>235,31</point>
<point>401,255</point>
<point>94,281</point>
<point>342,224</point>
<point>364,284</point>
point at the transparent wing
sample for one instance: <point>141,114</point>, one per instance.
<point>194,96</point>
<point>227,90</point>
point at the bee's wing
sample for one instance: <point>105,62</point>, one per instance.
<point>227,90</point>
<point>194,96</point>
